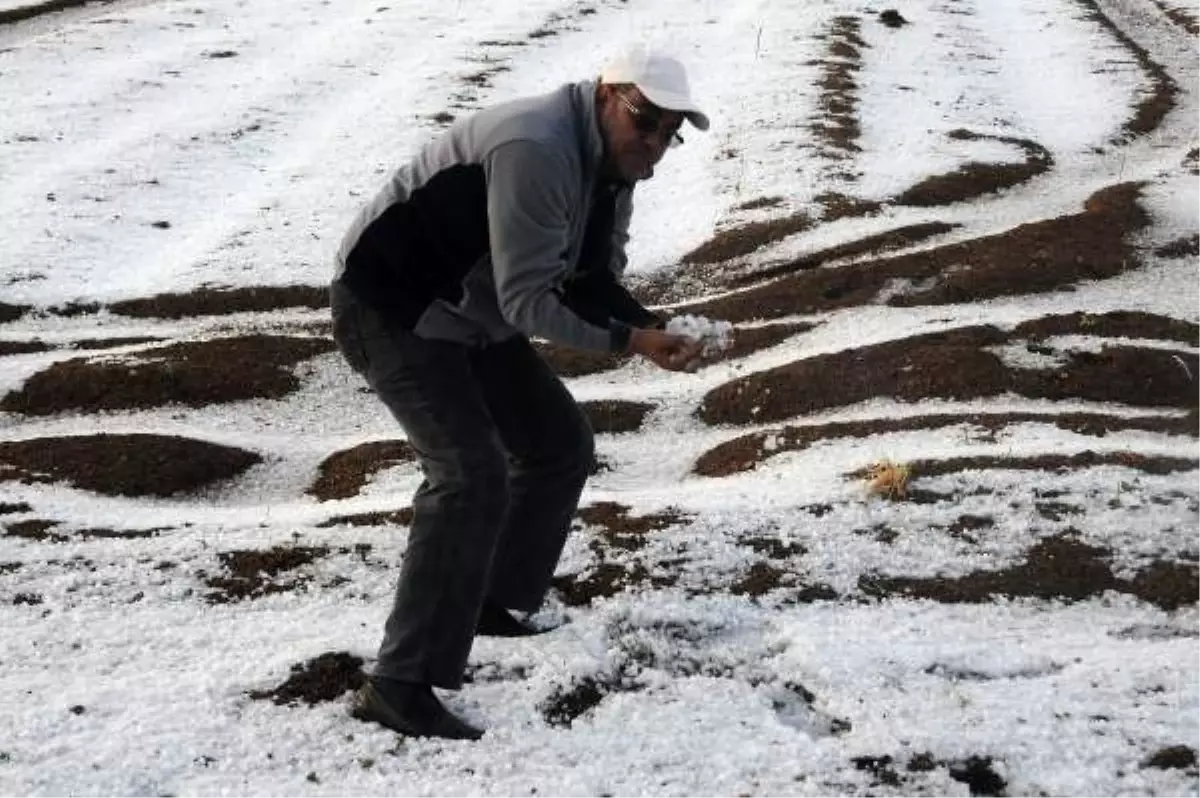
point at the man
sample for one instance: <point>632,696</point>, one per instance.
<point>510,225</point>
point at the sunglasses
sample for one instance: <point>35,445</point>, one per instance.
<point>648,122</point>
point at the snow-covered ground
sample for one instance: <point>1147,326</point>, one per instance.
<point>151,146</point>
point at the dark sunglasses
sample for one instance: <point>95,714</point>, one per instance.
<point>648,122</point>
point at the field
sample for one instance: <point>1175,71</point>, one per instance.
<point>957,238</point>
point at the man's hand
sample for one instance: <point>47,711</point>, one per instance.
<point>666,350</point>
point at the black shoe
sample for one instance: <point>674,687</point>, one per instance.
<point>495,621</point>
<point>410,709</point>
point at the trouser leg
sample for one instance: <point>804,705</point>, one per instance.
<point>430,388</point>
<point>550,453</point>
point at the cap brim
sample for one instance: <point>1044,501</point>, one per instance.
<point>674,102</point>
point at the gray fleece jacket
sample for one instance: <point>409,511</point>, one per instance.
<point>502,226</point>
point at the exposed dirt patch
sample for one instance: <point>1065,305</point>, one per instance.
<point>569,703</point>
<point>742,240</point>
<point>196,374</point>
<point>1032,258</point>
<point>1056,568</point>
<point>324,678</point>
<point>23,347</point>
<point>1050,462</point>
<point>401,517</point>
<point>124,465</point>
<point>838,129</point>
<point>1182,757</point>
<point>623,531</point>
<point>892,18</point>
<point>1187,246</point>
<point>111,343</point>
<point>1191,161</point>
<point>343,474</point>
<point>8,508</point>
<point>979,775</point>
<point>759,203</point>
<point>916,368</point>
<point>747,451</point>
<point>604,580</point>
<point>118,534</point>
<point>224,301</point>
<point>1156,104</point>
<point>251,574</point>
<point>566,361</point>
<point>615,415</point>
<point>9,312</point>
<point>773,547</point>
<point>1114,324</point>
<point>899,238</point>
<point>34,529</point>
<point>746,341</point>
<point>975,179</point>
<point>761,579</point>
<point>842,206</point>
<point>27,599</point>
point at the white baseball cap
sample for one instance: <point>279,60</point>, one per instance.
<point>661,78</point>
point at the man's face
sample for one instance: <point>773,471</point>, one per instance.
<point>636,132</point>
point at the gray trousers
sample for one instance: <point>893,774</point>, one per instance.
<point>505,452</point>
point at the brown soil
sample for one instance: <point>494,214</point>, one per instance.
<point>12,312</point>
<point>1032,258</point>
<point>605,580</point>
<point>1191,161</point>
<point>951,365</point>
<point>250,574</point>
<point>569,362</point>
<point>324,678</point>
<point>34,529</point>
<point>761,579</point>
<point>401,517</point>
<point>747,451</point>
<point>1056,568</point>
<point>976,179</point>
<point>1049,462</point>
<point>736,242</point>
<point>613,415</point>
<point>110,343</point>
<point>118,534</point>
<point>23,12</point>
<point>1187,246</point>
<point>838,129</point>
<point>223,301</point>
<point>1114,324</point>
<point>343,474</point>
<point>23,347</point>
<point>1154,107</point>
<point>1182,757</point>
<point>841,206</point>
<point>773,547</point>
<point>876,244</point>
<point>124,465</point>
<point>623,531</point>
<point>759,203</point>
<point>196,374</point>
<point>567,704</point>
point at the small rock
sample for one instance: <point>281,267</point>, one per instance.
<point>892,18</point>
